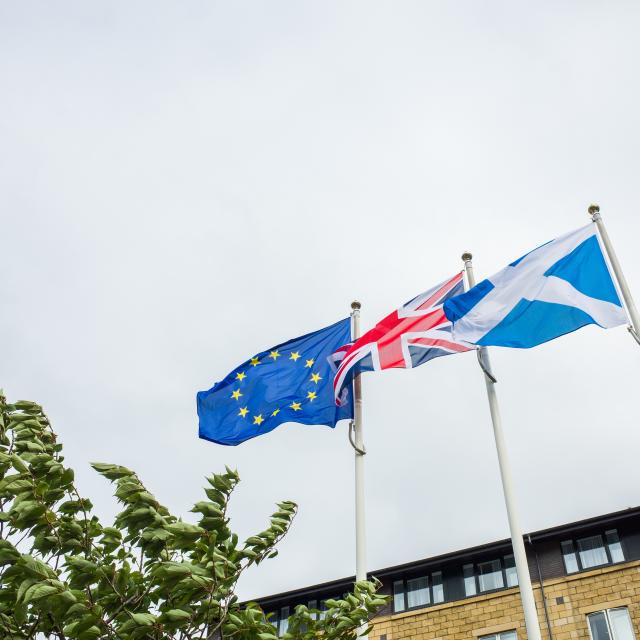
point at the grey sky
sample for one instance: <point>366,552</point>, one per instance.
<point>184,184</point>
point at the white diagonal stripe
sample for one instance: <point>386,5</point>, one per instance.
<point>559,291</point>
<point>526,280</point>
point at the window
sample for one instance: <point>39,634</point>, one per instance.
<point>323,606</point>
<point>313,604</point>
<point>280,617</point>
<point>272,617</point>
<point>418,592</point>
<point>592,551</point>
<point>503,635</point>
<point>437,587</point>
<point>569,555</point>
<point>283,621</point>
<point>611,624</point>
<point>510,571</point>
<point>469,580</point>
<point>614,546</point>
<point>398,595</point>
<point>490,575</point>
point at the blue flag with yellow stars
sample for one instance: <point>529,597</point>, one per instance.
<point>291,382</point>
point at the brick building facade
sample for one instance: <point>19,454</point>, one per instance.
<point>586,579</point>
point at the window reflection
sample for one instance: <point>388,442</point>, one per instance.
<point>592,551</point>
<point>490,575</point>
<point>417,592</point>
<point>437,587</point>
<point>510,571</point>
<point>469,580</point>
<point>611,624</point>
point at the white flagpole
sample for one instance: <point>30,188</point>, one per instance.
<point>634,329</point>
<point>358,445</point>
<point>522,567</point>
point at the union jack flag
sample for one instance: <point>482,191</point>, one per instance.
<point>414,334</point>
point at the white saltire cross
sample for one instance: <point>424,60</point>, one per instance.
<point>526,280</point>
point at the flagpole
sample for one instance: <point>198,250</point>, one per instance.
<point>634,329</point>
<point>522,567</point>
<point>361,541</point>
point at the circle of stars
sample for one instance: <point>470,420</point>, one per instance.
<point>259,418</point>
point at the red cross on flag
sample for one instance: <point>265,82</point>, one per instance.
<point>414,334</point>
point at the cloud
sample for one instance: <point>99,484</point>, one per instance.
<point>182,186</point>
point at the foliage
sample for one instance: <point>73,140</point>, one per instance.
<point>150,575</point>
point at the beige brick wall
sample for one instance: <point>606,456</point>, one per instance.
<point>467,619</point>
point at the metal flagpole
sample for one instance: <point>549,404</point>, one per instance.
<point>524,579</point>
<point>634,329</point>
<point>358,445</point>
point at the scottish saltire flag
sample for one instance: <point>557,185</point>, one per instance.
<point>288,383</point>
<point>410,336</point>
<point>555,289</point>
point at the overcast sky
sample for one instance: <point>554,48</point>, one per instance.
<point>183,184</point>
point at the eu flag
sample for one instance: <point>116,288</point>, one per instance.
<point>291,382</point>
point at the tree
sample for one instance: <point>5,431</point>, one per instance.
<point>150,575</point>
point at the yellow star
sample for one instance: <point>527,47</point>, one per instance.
<point>294,356</point>
<point>309,364</point>
<point>236,394</point>
<point>311,395</point>
<point>275,412</point>
<point>275,355</point>
<point>240,376</point>
<point>296,406</point>
<point>243,412</point>
<point>316,377</point>
<point>255,362</point>
<point>258,419</point>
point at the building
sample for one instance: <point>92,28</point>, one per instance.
<point>586,580</point>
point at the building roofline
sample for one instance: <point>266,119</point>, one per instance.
<point>452,555</point>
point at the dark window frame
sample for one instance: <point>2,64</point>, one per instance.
<point>605,544</point>
<point>476,575</point>
<point>405,591</point>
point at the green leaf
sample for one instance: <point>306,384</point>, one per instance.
<point>236,620</point>
<point>176,615</point>
<point>207,508</point>
<point>41,590</point>
<point>86,622</point>
<point>81,564</point>
<point>70,629</point>
<point>143,619</point>
<point>178,569</point>
<point>90,634</point>
<point>79,607</point>
<point>72,507</point>
<point>111,471</point>
<point>18,464</point>
<point>25,585</point>
<point>36,567</point>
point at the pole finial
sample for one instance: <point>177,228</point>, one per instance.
<point>355,305</point>
<point>466,256</point>
<point>593,209</point>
